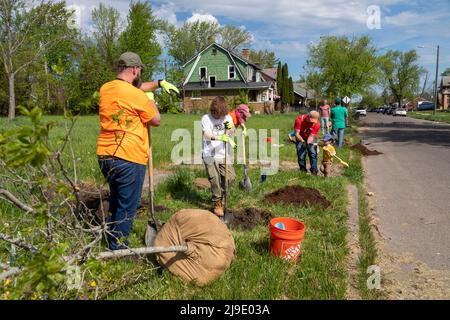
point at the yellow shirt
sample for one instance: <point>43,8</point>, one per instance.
<point>124,113</point>
<point>328,151</point>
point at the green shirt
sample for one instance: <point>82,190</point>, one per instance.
<point>338,115</point>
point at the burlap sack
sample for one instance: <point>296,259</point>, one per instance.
<point>210,246</point>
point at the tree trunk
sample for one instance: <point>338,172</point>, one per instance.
<point>12,96</point>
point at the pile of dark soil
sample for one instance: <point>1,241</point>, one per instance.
<point>248,218</point>
<point>95,203</point>
<point>365,151</point>
<point>297,195</point>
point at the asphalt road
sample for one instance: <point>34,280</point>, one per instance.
<point>411,182</point>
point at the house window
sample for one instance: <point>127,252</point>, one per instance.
<point>196,94</point>
<point>212,81</point>
<point>203,73</point>
<point>214,51</point>
<point>231,72</point>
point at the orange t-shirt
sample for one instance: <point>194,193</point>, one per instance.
<point>124,113</point>
<point>234,117</point>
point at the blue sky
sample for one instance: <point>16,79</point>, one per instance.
<point>288,27</point>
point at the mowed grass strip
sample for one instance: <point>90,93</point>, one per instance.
<point>440,116</point>
<point>254,274</point>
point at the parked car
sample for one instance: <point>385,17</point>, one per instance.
<point>425,105</point>
<point>391,110</point>
<point>386,110</point>
<point>361,112</point>
<point>399,112</point>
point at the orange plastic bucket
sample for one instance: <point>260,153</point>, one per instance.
<point>286,243</point>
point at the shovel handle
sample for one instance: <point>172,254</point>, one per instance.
<point>150,176</point>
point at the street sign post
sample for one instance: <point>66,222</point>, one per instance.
<point>346,100</point>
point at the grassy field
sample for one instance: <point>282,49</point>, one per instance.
<point>441,116</point>
<point>321,274</point>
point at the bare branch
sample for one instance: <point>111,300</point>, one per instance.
<point>10,273</point>
<point>11,198</point>
<point>139,251</point>
<point>19,243</point>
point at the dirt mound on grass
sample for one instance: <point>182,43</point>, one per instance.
<point>365,151</point>
<point>298,195</point>
<point>248,218</point>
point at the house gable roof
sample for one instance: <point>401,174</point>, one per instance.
<point>445,81</point>
<point>231,55</point>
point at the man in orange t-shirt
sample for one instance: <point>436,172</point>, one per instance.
<point>122,146</point>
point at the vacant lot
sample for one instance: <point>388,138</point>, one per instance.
<point>321,274</point>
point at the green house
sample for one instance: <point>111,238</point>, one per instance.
<point>216,71</point>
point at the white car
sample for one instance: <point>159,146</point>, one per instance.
<point>361,112</point>
<point>399,112</point>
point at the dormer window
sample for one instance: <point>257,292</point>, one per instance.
<point>202,73</point>
<point>231,72</point>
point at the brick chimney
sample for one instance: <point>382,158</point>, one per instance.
<point>245,54</point>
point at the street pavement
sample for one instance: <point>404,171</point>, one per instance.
<point>411,183</point>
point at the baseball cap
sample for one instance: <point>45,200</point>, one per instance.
<point>313,116</point>
<point>130,59</point>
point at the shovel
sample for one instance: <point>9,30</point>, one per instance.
<point>153,226</point>
<point>341,161</point>
<point>245,183</point>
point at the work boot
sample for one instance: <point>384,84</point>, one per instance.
<point>218,208</point>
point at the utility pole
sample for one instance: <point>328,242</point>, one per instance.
<point>436,81</point>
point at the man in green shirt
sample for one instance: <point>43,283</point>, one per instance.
<point>339,121</point>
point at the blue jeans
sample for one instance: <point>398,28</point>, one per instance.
<point>324,121</point>
<point>340,134</point>
<point>302,149</point>
<point>125,181</point>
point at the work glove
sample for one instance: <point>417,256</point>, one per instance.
<point>150,95</point>
<point>168,87</point>
<point>244,132</point>
<point>228,125</point>
<point>225,138</point>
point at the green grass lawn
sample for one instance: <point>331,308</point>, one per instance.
<point>254,274</point>
<point>441,116</point>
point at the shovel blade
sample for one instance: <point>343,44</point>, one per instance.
<point>245,184</point>
<point>150,233</point>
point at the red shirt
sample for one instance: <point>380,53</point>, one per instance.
<point>306,128</point>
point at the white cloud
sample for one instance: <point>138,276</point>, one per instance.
<point>167,12</point>
<point>202,18</point>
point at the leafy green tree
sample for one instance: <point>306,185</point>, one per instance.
<point>107,28</point>
<point>285,97</point>
<point>190,39</point>
<point>279,79</point>
<point>264,58</point>
<point>233,38</point>
<point>26,34</point>
<point>139,36</point>
<point>446,72</point>
<point>402,73</point>
<point>291,91</point>
<point>345,66</point>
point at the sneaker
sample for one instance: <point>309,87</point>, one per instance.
<point>218,208</point>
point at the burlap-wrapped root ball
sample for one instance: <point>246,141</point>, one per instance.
<point>210,244</point>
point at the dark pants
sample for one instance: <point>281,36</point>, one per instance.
<point>302,150</point>
<point>125,181</point>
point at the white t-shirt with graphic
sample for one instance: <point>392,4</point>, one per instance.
<point>214,148</point>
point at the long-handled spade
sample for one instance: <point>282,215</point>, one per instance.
<point>152,226</point>
<point>245,183</point>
